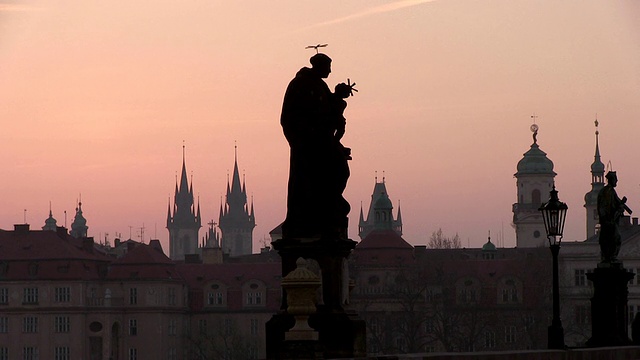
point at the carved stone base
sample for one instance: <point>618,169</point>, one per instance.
<point>341,334</point>
<point>609,305</point>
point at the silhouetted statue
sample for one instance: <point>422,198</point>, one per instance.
<point>313,123</point>
<point>610,209</point>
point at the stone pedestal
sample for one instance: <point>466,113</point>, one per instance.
<point>609,305</point>
<point>340,334</point>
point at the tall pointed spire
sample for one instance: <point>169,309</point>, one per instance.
<point>236,216</point>
<point>379,197</point>
<point>184,223</point>
<point>597,183</point>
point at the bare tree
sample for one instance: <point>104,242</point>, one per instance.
<point>439,241</point>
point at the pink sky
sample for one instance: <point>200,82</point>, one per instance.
<point>97,98</point>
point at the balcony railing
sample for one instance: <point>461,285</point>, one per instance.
<point>104,302</point>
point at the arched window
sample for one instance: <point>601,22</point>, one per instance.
<point>535,197</point>
<point>216,294</point>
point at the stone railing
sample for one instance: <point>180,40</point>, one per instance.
<point>605,353</point>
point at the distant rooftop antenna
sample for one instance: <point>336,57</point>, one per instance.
<point>316,47</point>
<point>25,216</point>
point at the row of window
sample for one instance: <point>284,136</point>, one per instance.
<point>30,295</point>
<point>32,353</point>
<point>63,295</point>
<point>61,324</point>
<point>228,327</point>
<point>217,298</point>
<point>63,353</point>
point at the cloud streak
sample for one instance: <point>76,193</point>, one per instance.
<point>394,6</point>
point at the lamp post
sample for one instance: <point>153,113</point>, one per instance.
<point>554,213</point>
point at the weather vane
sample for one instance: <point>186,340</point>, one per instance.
<point>534,128</point>
<point>316,47</point>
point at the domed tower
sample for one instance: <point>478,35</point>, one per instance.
<point>597,183</point>
<point>79,226</point>
<point>50,224</point>
<point>534,180</point>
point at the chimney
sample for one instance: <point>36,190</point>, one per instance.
<point>21,229</point>
<point>87,244</point>
<point>116,242</point>
<point>635,221</point>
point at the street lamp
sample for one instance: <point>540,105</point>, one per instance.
<point>554,213</point>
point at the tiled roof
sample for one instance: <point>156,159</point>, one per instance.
<point>41,244</point>
<point>144,262</point>
<point>383,239</point>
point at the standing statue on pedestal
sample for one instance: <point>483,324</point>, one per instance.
<point>610,209</point>
<point>313,124</point>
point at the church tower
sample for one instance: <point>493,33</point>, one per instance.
<point>597,183</point>
<point>237,220</point>
<point>380,212</point>
<point>184,222</point>
<point>534,180</point>
<point>79,226</point>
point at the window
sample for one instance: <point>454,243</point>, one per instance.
<point>4,296</point>
<point>582,314</point>
<point>61,324</point>
<point>172,354</point>
<point>133,354</point>
<point>202,326</point>
<point>30,324</point>
<point>428,326</point>
<point>401,344</point>
<point>172,296</point>
<point>249,298</point>
<point>133,296</point>
<point>227,326</point>
<point>4,324</point>
<point>173,328</point>
<point>4,353</point>
<point>219,298</point>
<point>633,311</point>
<point>61,353</point>
<point>580,278</point>
<point>535,197</point>
<point>133,327</point>
<point>62,294</point>
<point>254,327</point>
<point>253,352</point>
<point>30,296</point>
<point>258,297</point>
<point>509,334</point>
<point>489,339</point>
<point>30,353</point>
